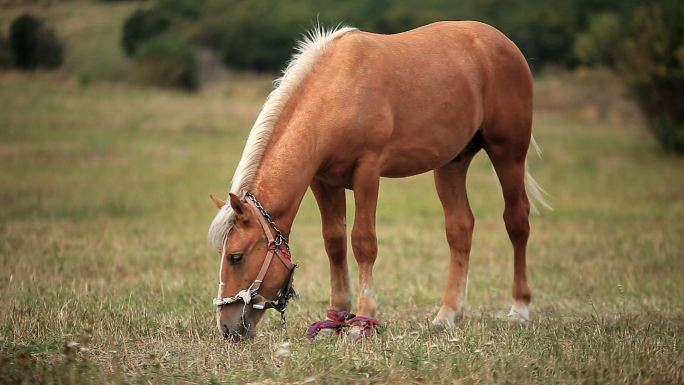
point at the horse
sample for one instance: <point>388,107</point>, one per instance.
<point>352,107</point>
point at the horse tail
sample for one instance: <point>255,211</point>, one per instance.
<point>534,191</point>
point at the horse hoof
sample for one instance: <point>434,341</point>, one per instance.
<point>360,332</point>
<point>355,333</point>
<point>439,325</point>
<point>446,319</point>
<point>362,327</point>
<point>519,314</point>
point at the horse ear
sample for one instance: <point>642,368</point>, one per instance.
<point>237,205</point>
<point>217,201</point>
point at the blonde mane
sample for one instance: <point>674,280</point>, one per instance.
<point>307,52</point>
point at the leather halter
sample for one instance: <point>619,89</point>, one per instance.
<point>277,245</point>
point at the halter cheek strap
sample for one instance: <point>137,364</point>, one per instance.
<point>277,246</point>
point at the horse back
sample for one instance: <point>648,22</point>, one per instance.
<point>415,99</point>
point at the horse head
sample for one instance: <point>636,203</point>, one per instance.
<point>249,282</point>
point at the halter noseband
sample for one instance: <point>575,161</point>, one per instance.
<point>277,245</point>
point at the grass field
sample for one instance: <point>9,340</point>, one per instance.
<point>102,243</point>
<point>106,275</point>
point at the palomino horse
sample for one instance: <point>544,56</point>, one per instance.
<point>352,107</point>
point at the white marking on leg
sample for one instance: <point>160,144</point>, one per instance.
<point>448,317</point>
<point>367,295</point>
<point>368,292</point>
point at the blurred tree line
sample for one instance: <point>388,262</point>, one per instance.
<point>643,41</point>
<point>259,34</point>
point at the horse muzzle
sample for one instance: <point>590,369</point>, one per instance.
<point>237,322</point>
<point>237,333</point>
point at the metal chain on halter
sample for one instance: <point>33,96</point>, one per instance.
<point>280,238</point>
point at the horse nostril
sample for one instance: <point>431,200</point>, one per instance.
<point>231,335</point>
<point>234,338</point>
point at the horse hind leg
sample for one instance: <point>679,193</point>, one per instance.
<point>450,181</point>
<point>508,158</point>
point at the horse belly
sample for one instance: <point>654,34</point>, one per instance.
<point>431,125</point>
<point>425,152</point>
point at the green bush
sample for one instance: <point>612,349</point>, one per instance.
<point>653,69</point>
<point>167,60</point>
<point>599,44</point>
<point>259,34</point>
<point>140,26</point>
<point>34,44</point>
<point>255,35</point>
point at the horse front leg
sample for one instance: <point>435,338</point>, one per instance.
<point>364,243</point>
<point>365,182</point>
<point>332,205</point>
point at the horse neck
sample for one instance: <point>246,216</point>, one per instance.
<point>287,167</point>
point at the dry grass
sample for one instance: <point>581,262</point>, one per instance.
<point>102,243</point>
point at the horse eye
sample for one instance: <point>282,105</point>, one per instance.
<point>235,258</point>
